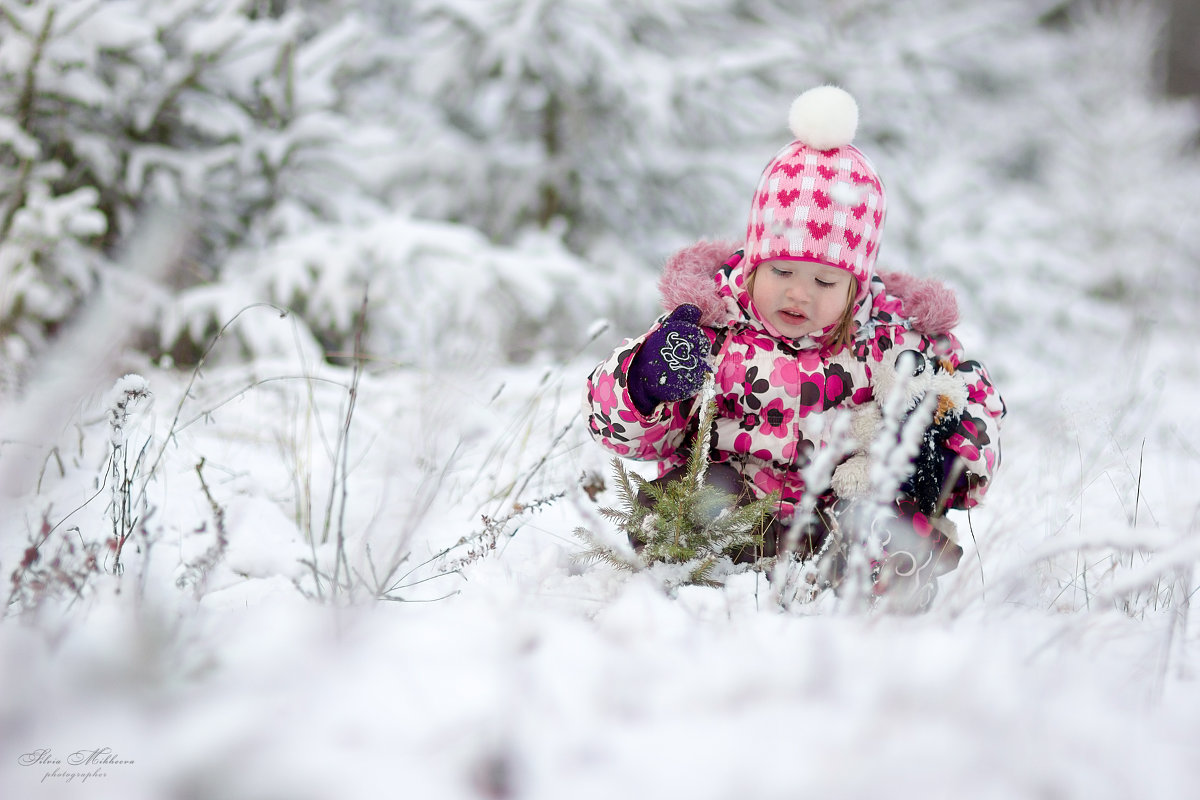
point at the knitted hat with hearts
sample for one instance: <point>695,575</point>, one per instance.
<point>819,198</point>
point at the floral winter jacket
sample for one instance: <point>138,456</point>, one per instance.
<point>773,394</point>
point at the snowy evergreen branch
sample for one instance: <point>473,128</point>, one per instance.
<point>685,526</point>
<point>704,400</point>
<point>24,113</point>
<point>26,98</point>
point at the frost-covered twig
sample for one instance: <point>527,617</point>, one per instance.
<point>385,587</point>
<point>208,411</point>
<point>129,391</point>
<point>174,427</point>
<point>817,475</point>
<point>890,456</point>
<point>218,511</point>
<point>704,436</point>
<point>341,471</point>
<point>198,571</point>
<point>484,541</point>
<point>541,462</point>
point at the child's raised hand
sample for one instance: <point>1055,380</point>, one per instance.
<point>672,362</point>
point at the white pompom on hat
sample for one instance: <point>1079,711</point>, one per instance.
<point>824,118</point>
<point>819,198</point>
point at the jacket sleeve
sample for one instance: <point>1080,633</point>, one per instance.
<point>614,421</point>
<point>974,444</point>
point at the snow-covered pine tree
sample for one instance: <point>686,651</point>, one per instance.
<point>579,114</point>
<point>648,124</point>
<point>46,227</point>
<point>624,130</point>
<point>1028,144</point>
<point>218,110</point>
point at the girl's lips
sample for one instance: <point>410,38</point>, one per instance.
<point>792,316</point>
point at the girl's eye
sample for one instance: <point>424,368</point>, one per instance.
<point>783,273</point>
<point>825,284</point>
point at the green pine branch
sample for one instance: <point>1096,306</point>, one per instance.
<point>687,522</point>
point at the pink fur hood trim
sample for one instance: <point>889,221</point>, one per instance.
<point>928,302</point>
<point>688,278</point>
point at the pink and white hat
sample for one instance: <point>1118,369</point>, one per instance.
<point>819,198</point>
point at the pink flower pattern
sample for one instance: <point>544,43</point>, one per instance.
<point>777,419</point>
<point>604,394</point>
<point>732,371</point>
<point>787,375</point>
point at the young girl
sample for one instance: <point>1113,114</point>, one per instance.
<point>795,323</point>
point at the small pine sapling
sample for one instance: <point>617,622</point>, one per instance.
<point>686,522</point>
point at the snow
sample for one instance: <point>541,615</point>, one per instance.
<point>319,600</point>
<point>524,674</point>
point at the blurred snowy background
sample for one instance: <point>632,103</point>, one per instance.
<point>297,298</point>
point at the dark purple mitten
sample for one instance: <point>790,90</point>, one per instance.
<point>671,363</point>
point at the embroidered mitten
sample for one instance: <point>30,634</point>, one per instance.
<point>671,363</point>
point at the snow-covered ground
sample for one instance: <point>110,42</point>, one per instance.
<point>1059,660</point>
<point>332,584</point>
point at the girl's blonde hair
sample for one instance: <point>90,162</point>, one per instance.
<point>843,334</point>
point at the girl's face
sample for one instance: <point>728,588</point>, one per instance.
<point>800,298</point>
